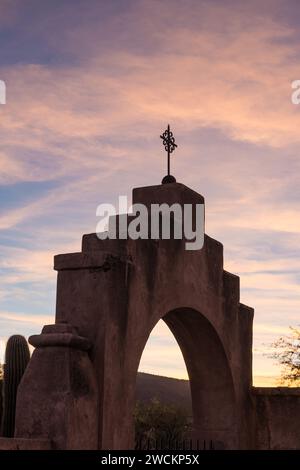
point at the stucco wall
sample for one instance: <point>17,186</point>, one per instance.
<point>277,417</point>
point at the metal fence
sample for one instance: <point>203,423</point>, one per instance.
<point>186,444</point>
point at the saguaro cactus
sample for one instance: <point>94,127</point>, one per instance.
<point>1,386</point>
<point>16,359</point>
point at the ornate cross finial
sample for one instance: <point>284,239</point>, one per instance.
<point>169,144</point>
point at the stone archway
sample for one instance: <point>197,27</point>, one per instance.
<point>211,383</point>
<point>109,297</point>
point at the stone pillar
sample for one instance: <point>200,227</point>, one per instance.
<point>57,397</point>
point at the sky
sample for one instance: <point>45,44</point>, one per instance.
<point>90,87</point>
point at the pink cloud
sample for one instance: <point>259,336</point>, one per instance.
<point>210,67</point>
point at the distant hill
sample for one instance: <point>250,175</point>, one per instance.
<point>165,389</point>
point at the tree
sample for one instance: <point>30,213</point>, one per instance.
<point>156,422</point>
<point>287,353</point>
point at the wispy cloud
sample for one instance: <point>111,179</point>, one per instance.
<point>88,91</point>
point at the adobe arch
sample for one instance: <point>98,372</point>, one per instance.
<point>211,383</point>
<point>109,297</point>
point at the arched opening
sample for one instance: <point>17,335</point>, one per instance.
<point>163,410</point>
<point>210,379</point>
<point>162,355</point>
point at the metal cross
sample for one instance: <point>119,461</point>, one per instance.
<point>169,143</point>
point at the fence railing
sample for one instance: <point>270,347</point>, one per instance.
<point>171,444</point>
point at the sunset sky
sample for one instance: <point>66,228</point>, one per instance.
<point>90,87</point>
